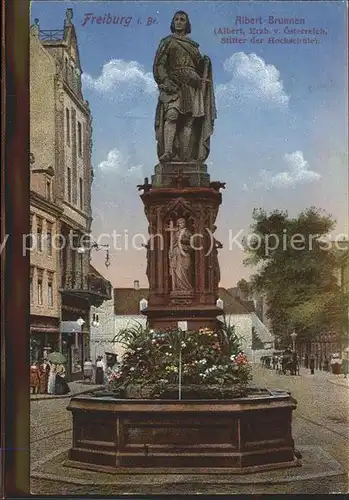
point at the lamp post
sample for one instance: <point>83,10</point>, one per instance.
<point>96,246</point>
<point>182,327</point>
<point>293,337</point>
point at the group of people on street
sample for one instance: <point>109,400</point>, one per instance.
<point>48,378</point>
<point>289,361</point>
<point>97,372</point>
<point>284,362</point>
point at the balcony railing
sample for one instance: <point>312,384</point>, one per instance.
<point>89,287</point>
<point>51,35</point>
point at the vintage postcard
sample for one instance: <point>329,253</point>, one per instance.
<point>180,226</point>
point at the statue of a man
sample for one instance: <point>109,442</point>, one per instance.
<point>180,258</point>
<point>186,107</point>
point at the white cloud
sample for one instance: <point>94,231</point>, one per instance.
<point>252,80</point>
<point>125,77</point>
<point>119,164</point>
<point>298,172</point>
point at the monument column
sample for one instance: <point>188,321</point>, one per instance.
<point>183,259</point>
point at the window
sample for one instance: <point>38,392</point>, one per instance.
<point>40,298</point>
<point>69,184</point>
<point>39,234</point>
<point>31,284</point>
<point>49,238</point>
<point>73,128</point>
<point>80,139</point>
<point>50,289</point>
<point>67,114</point>
<point>48,190</point>
<point>81,194</point>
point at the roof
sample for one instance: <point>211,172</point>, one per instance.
<point>126,301</point>
<point>231,304</point>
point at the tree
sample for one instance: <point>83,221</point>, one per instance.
<point>245,288</point>
<point>296,271</point>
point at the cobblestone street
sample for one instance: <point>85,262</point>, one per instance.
<point>321,419</point>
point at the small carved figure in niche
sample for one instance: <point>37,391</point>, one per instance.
<point>180,257</point>
<point>215,263</point>
<point>147,271</point>
<point>186,107</point>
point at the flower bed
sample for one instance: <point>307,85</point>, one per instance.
<point>209,364</point>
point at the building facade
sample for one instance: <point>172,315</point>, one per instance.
<point>61,144</point>
<point>129,303</point>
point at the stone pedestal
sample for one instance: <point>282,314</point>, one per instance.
<point>182,191</point>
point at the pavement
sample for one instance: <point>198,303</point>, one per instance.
<point>319,429</point>
<point>76,387</point>
<point>328,376</point>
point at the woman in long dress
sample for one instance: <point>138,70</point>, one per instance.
<point>35,377</point>
<point>61,386</point>
<point>51,380</point>
<point>100,369</point>
<point>45,371</point>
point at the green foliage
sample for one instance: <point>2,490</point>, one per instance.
<point>296,271</point>
<point>245,288</point>
<point>208,359</point>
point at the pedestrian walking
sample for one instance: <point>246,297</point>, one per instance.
<point>306,360</point>
<point>35,377</point>
<point>312,364</point>
<point>45,371</point>
<point>100,369</point>
<point>326,363</point>
<point>274,361</point>
<point>61,386</point>
<point>51,386</point>
<point>321,363</point>
<point>88,369</point>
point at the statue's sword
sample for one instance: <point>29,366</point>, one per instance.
<point>205,80</point>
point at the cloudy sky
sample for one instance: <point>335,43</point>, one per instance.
<point>280,138</point>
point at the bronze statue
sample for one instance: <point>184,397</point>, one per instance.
<point>180,258</point>
<point>186,109</point>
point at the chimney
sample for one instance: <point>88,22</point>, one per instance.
<point>136,284</point>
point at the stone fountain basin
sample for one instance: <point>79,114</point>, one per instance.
<point>248,434</point>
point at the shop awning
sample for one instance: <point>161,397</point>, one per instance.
<point>44,329</point>
<point>70,327</point>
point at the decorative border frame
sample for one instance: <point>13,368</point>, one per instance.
<point>15,312</point>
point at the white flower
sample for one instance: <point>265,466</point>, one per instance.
<point>132,369</point>
<point>183,344</point>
